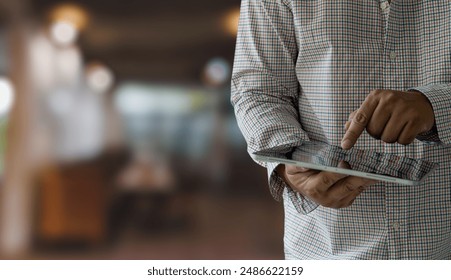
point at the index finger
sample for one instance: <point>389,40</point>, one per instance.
<point>359,123</point>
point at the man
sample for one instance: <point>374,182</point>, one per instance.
<point>367,74</point>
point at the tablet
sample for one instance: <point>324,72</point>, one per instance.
<point>362,163</point>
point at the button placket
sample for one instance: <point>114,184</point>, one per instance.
<point>394,200</point>
<point>384,5</point>
<point>385,8</point>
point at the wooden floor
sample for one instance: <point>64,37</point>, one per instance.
<point>207,226</point>
<point>232,218</point>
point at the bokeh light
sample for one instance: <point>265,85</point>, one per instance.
<point>70,13</point>
<point>217,72</point>
<point>63,32</point>
<point>230,21</point>
<point>99,77</point>
<point>6,95</point>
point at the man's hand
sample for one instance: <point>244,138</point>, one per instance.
<point>392,116</point>
<point>325,188</point>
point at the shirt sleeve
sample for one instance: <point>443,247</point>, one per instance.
<point>439,96</point>
<point>264,82</point>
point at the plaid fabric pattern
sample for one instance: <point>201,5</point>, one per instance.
<point>367,161</point>
<point>301,67</point>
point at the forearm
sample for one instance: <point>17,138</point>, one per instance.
<point>265,88</point>
<point>267,122</point>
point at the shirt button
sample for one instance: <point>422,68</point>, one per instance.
<point>395,226</point>
<point>384,5</point>
<point>392,55</point>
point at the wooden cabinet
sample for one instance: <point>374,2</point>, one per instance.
<point>73,203</point>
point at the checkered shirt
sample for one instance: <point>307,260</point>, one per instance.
<point>301,67</point>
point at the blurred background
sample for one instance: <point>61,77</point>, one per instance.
<point>117,137</point>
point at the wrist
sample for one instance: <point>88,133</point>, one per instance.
<point>428,111</point>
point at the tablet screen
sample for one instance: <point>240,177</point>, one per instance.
<point>362,163</point>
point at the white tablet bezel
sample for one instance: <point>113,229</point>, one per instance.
<point>379,177</point>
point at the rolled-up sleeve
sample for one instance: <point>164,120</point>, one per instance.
<point>264,82</point>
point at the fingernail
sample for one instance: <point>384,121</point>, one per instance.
<point>346,144</point>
